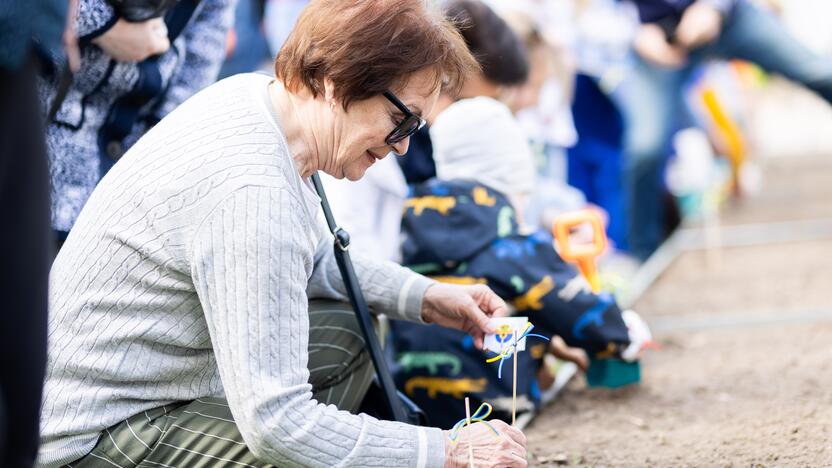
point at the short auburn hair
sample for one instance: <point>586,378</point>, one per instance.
<point>366,47</point>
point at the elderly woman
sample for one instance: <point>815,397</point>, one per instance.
<point>184,330</point>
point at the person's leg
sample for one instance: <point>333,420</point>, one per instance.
<point>588,115</point>
<point>340,368</point>
<point>650,102</point>
<point>757,36</point>
<point>609,193</point>
<point>599,154</point>
<point>24,265</point>
<point>579,171</point>
<point>203,432</point>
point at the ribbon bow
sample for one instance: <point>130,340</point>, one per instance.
<point>510,349</point>
<point>479,416</point>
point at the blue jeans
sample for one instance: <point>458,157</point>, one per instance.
<point>596,159</point>
<point>652,103</point>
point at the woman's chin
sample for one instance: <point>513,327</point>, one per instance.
<point>355,173</point>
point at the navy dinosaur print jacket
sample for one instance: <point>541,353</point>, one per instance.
<point>466,233</point>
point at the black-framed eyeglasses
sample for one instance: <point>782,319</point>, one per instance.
<point>407,127</point>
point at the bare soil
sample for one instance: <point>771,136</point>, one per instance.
<point>744,375</point>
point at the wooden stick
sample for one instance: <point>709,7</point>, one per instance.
<point>468,423</point>
<point>514,383</point>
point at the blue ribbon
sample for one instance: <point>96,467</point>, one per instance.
<point>509,350</point>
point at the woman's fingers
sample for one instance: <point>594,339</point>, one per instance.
<point>510,432</point>
<point>512,453</point>
<point>485,304</point>
<point>509,449</point>
<point>515,461</point>
<point>479,340</point>
<point>516,435</point>
<point>491,303</point>
<point>476,309</point>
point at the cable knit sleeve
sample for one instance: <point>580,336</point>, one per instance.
<point>93,19</point>
<point>250,262</point>
<point>387,286</point>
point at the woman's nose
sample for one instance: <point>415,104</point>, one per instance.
<point>400,148</point>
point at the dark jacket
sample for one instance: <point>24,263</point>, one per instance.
<point>464,232</point>
<point>30,23</point>
<point>652,11</point>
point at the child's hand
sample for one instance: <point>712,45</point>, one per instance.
<point>559,349</point>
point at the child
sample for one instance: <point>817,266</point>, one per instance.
<point>462,227</point>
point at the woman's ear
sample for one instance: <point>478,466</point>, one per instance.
<point>329,94</point>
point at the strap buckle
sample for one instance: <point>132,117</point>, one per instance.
<point>342,238</point>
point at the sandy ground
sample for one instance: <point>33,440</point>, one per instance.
<point>744,375</point>
<point>730,397</point>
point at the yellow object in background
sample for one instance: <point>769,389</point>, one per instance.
<point>729,135</point>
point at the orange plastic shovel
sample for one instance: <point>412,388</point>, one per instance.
<point>581,254</point>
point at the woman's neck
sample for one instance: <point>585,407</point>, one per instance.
<point>298,118</point>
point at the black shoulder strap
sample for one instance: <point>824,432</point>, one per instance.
<point>362,312</point>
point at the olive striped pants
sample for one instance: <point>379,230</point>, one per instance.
<point>202,432</point>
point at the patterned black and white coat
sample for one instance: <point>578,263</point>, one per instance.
<point>79,153</point>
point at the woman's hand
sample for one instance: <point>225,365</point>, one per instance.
<point>506,450</point>
<point>466,308</point>
<point>134,42</point>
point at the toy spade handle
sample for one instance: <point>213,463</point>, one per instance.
<point>590,272</point>
<point>583,255</point>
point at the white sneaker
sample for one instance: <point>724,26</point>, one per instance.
<point>640,335</point>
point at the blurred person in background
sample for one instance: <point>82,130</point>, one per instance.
<point>30,40</point>
<point>574,128</point>
<point>675,37</point>
<point>502,59</point>
<point>199,291</point>
<point>539,105</point>
<point>246,48</point>
<point>604,30</point>
<point>139,60</point>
